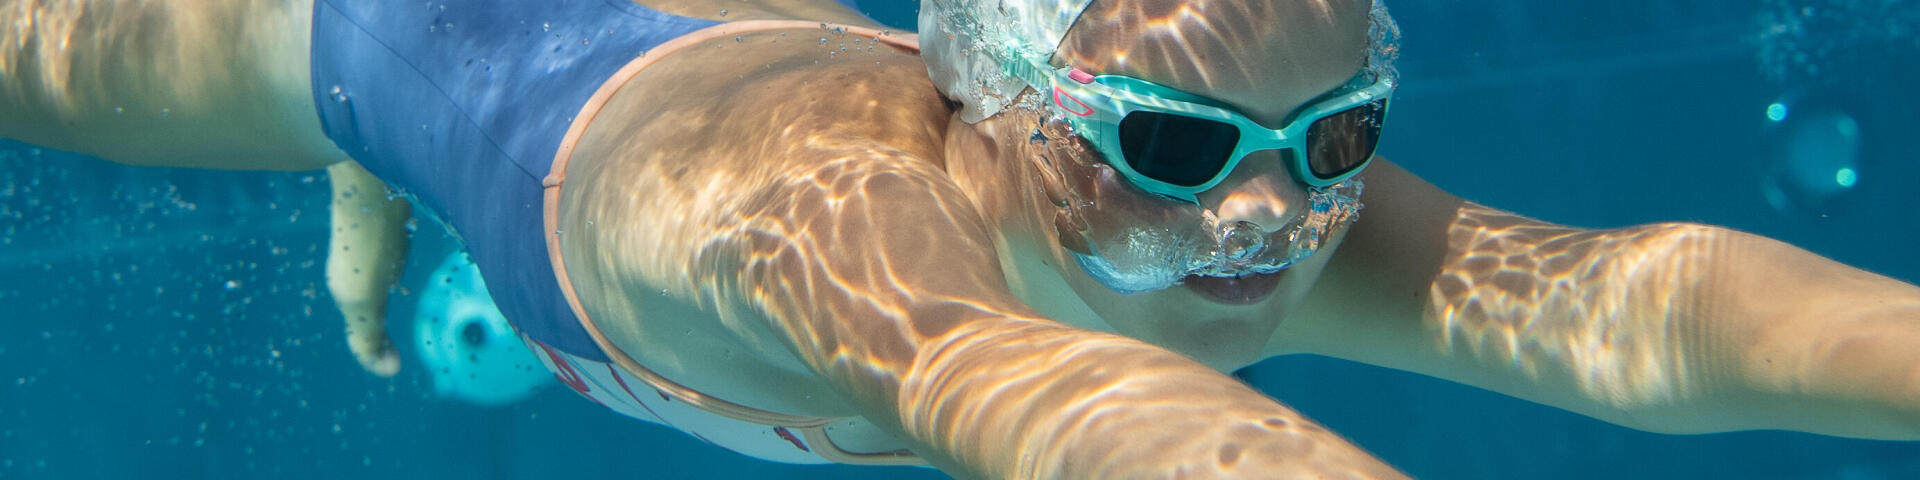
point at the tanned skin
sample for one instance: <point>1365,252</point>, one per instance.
<point>831,240</point>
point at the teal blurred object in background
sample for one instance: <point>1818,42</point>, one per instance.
<point>164,323</point>
<point>464,342</point>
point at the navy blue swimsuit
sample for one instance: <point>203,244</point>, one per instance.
<point>462,104</point>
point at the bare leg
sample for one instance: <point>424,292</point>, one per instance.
<point>203,83</point>
<point>735,10</point>
<point>364,255</point>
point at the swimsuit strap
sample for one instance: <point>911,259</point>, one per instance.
<point>814,428</point>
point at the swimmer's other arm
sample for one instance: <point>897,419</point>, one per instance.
<point>1676,328</point>
<point>366,249</point>
<point>881,277</point>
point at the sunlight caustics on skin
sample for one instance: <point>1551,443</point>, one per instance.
<point>1621,347</point>
<point>48,29</point>
<point>1666,327</point>
<point>715,227</point>
<point>1259,200</point>
<point>213,83</point>
<point>74,55</point>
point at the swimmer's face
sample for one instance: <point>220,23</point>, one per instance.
<point>1263,58</point>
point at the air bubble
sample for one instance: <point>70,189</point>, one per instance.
<point>1819,162</point>
<point>1242,241</point>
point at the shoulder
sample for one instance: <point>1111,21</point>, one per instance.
<point>739,95</point>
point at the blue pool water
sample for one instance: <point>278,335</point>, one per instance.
<point>175,324</point>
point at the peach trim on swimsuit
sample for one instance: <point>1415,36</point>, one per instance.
<point>814,428</point>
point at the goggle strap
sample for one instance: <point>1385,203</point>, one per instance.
<point>1025,70</point>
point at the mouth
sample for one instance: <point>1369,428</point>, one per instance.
<point>1236,290</point>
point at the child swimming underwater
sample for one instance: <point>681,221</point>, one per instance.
<point>967,316</point>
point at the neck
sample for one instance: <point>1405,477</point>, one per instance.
<point>1007,180</point>
<point>1003,175</point>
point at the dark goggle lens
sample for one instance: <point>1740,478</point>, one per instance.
<point>1176,149</point>
<point>1339,143</point>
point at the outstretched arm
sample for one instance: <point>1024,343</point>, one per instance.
<point>1671,327</point>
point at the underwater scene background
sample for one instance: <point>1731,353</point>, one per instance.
<point>167,323</point>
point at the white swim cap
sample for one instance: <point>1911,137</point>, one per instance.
<point>967,43</point>
<point>964,42</point>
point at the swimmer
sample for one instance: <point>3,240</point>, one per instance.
<point>1024,244</point>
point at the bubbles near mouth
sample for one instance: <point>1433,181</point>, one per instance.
<point>1235,263</point>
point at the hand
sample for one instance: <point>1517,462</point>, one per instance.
<point>365,253</point>
<point>367,337</point>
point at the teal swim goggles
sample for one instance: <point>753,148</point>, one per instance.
<point>1177,144</point>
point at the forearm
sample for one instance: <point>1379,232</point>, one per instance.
<point>1810,344</point>
<point>1676,328</point>
<point>1600,322</point>
<point>1033,399</point>
<point>1672,327</point>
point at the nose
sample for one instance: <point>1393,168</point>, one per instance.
<point>1260,190</point>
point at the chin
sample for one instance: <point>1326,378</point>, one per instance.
<point>1226,344</point>
<point>1225,323</point>
<point>1246,289</point>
